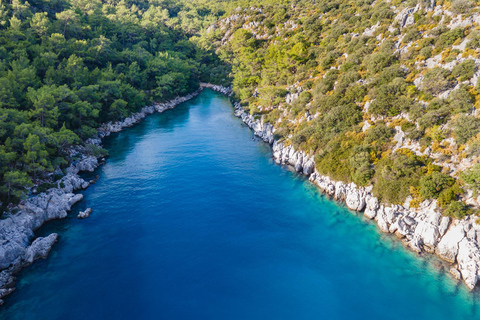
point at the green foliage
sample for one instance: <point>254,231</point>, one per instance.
<point>457,210</point>
<point>379,133</point>
<point>15,183</point>
<point>465,70</point>
<point>465,127</point>
<point>471,177</point>
<point>67,66</point>
<point>433,184</point>
<point>395,175</point>
<point>436,81</point>
<point>462,6</point>
<point>390,98</point>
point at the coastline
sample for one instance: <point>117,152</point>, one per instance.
<point>422,229</point>
<point>17,250</point>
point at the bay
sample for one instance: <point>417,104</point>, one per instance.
<point>193,220</point>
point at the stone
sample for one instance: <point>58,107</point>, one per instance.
<point>455,273</point>
<point>447,248</point>
<point>40,248</point>
<point>84,214</point>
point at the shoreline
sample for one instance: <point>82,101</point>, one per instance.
<point>422,229</point>
<point>17,230</point>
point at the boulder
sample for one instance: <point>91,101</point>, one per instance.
<point>447,248</point>
<point>40,248</point>
<point>355,199</point>
<point>84,214</point>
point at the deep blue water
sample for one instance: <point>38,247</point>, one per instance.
<point>192,220</point>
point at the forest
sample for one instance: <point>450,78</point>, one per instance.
<point>68,66</point>
<point>383,93</point>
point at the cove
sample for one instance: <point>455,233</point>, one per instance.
<point>193,220</point>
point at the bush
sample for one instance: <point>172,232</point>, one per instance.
<point>359,161</point>
<point>471,177</point>
<point>465,127</point>
<point>435,81</point>
<point>460,100</point>
<point>449,37</point>
<point>457,210</point>
<point>433,184</point>
<point>465,70</point>
<point>390,99</point>
<point>326,83</point>
<point>462,6</point>
<point>395,175</point>
<point>380,133</point>
<point>379,61</point>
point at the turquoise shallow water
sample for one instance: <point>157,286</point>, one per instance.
<point>193,220</point>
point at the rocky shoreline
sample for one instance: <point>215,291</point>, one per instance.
<point>422,229</point>
<point>17,250</point>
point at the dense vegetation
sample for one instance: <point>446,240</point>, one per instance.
<point>350,81</point>
<point>379,95</point>
<point>68,65</point>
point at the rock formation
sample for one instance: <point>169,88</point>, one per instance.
<point>17,229</point>
<point>422,229</point>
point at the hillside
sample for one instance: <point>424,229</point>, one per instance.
<point>381,97</point>
<point>382,93</point>
<point>68,66</point>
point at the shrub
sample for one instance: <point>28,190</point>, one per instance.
<point>465,70</point>
<point>326,84</point>
<point>460,100</point>
<point>395,175</point>
<point>433,184</point>
<point>449,37</point>
<point>359,161</point>
<point>379,132</point>
<point>390,99</point>
<point>462,6</point>
<point>471,177</point>
<point>435,81</point>
<point>379,61</point>
<point>458,210</point>
<point>465,127</point>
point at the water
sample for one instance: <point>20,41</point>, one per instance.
<point>192,220</point>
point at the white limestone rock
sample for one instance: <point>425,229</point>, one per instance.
<point>468,259</point>
<point>355,199</point>
<point>371,206</point>
<point>447,248</point>
<point>84,214</point>
<point>40,248</point>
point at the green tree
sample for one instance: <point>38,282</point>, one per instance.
<point>44,108</point>
<point>14,184</point>
<point>40,23</point>
<point>36,154</point>
<point>432,185</point>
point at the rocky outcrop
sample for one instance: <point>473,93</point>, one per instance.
<point>17,228</point>
<point>263,130</point>
<point>39,248</point>
<point>228,91</point>
<point>84,214</point>
<point>299,160</point>
<point>111,127</point>
<point>422,229</point>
